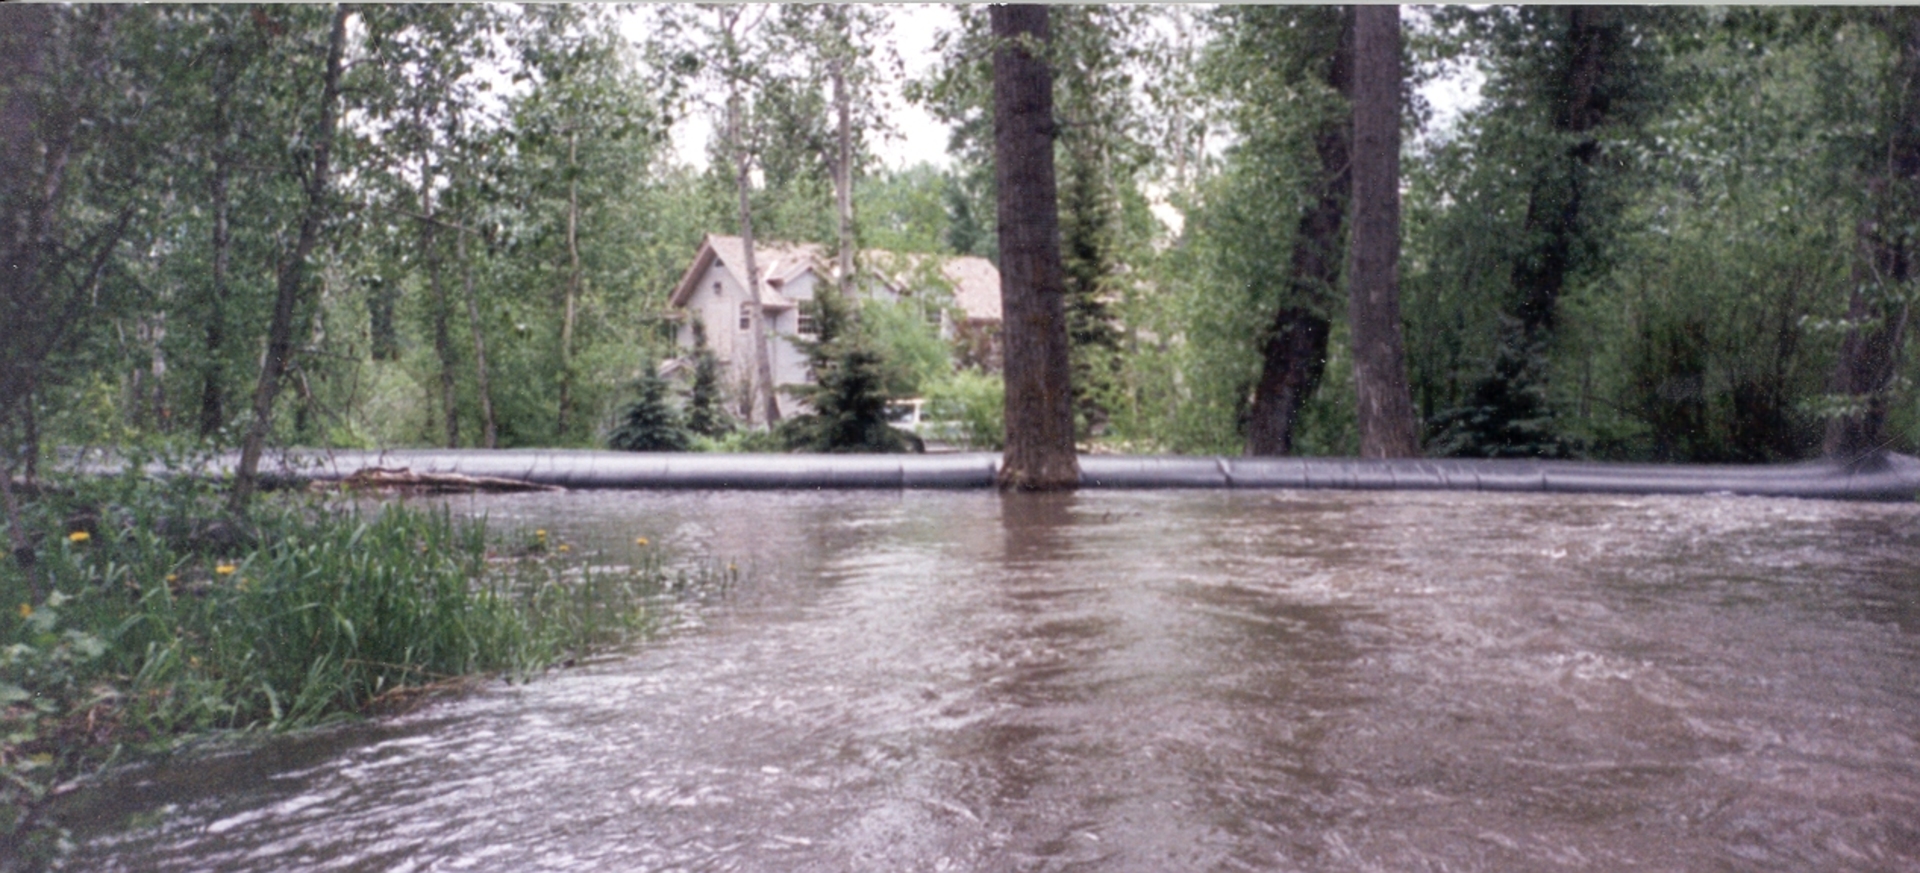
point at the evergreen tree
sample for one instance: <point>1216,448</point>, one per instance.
<point>650,424</point>
<point>704,414</point>
<point>849,397</point>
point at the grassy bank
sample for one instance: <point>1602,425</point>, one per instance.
<point>142,614</point>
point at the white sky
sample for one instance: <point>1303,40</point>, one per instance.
<point>921,138</point>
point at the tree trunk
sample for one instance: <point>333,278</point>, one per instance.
<point>213,375</point>
<point>292,282</point>
<point>489,430</point>
<point>1387,428</point>
<point>573,286</point>
<point>1294,355</point>
<point>757,328</point>
<point>843,162</point>
<point>1554,204</point>
<point>1039,412</point>
<point>430,256</point>
<point>1888,247</point>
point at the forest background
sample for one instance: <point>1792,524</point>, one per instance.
<point>1660,233</point>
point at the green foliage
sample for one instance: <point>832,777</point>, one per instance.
<point>168,617</point>
<point>906,336</point>
<point>849,397</point>
<point>650,423</point>
<point>904,210</point>
<point>975,403</point>
<point>705,415</point>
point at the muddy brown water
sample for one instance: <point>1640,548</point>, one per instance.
<point>1144,681</point>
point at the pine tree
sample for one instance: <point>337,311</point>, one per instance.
<point>704,414</point>
<point>849,398</point>
<point>650,424</point>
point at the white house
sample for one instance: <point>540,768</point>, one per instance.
<point>963,292</point>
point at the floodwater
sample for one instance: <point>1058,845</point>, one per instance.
<point>1145,681</point>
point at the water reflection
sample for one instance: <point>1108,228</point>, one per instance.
<point>1146,681</point>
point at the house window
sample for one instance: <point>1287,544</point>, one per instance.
<point>716,290</point>
<point>746,315</point>
<point>806,324</point>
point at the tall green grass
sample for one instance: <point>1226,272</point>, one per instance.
<point>147,615</point>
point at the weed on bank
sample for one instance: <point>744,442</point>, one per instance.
<point>142,613</point>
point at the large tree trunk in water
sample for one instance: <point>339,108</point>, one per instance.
<point>1387,428</point>
<point>488,429</point>
<point>1039,406</point>
<point>1888,247</point>
<point>292,281</point>
<point>1294,355</point>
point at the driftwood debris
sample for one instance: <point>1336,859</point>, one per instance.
<point>406,480</point>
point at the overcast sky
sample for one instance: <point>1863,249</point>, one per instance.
<point>921,138</point>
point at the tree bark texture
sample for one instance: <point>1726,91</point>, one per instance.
<point>430,257</point>
<point>292,282</point>
<point>1387,427</point>
<point>572,293</point>
<point>213,374</point>
<point>488,430</point>
<point>1294,353</point>
<point>1885,269</point>
<point>54,63</point>
<point>757,328</point>
<point>843,162</point>
<point>1039,413</point>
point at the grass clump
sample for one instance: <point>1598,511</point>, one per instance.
<point>142,613</point>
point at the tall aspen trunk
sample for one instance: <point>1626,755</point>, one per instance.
<point>1387,428</point>
<point>1039,406</point>
<point>488,430</point>
<point>1294,353</point>
<point>213,372</point>
<point>573,285</point>
<point>292,281</point>
<point>757,327</point>
<point>843,169</point>
<point>430,256</point>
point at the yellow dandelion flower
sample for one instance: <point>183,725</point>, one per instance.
<point>541,534</point>
<point>173,577</point>
<point>640,541</point>
<point>225,569</point>
<point>26,610</point>
<point>79,536</point>
<point>565,548</point>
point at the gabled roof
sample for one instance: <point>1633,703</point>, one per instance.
<point>776,262</point>
<point>976,286</point>
<point>975,281</point>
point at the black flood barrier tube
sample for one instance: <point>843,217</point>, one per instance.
<point>1882,477</point>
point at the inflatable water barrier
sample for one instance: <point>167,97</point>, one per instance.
<point>1881,477</point>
